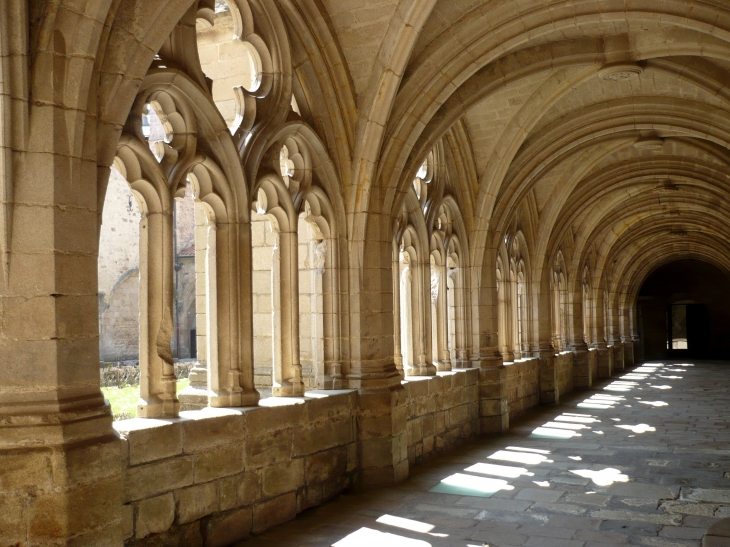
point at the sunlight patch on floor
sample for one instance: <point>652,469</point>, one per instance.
<point>367,537</point>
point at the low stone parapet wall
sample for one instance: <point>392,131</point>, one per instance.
<point>443,411</point>
<point>219,475</point>
<point>522,385</point>
<point>214,476</point>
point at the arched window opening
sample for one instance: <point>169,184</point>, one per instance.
<point>452,305</point>
<point>406,310</point>
<point>138,376</point>
<point>277,368</point>
<point>184,341</point>
<point>199,320</point>
<point>118,271</point>
<point>587,315</point>
<point>521,314</point>
<point>312,264</point>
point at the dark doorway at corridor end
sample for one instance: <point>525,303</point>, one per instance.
<point>684,312</point>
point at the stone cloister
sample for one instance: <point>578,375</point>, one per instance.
<point>378,229</point>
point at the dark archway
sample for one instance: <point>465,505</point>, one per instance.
<point>684,311</point>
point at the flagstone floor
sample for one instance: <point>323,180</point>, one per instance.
<point>641,459</point>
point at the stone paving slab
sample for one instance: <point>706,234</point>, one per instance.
<point>641,464</point>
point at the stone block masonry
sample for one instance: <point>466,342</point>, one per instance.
<point>215,476</point>
<point>443,410</point>
<point>522,386</point>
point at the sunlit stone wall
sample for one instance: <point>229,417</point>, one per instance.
<point>443,411</point>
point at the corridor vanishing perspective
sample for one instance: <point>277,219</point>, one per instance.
<point>258,255</point>
<point>636,460</point>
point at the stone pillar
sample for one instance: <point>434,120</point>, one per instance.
<point>548,376</point>
<point>287,381</point>
<point>195,396</point>
<point>397,339</point>
<point>383,411</point>
<point>582,373</point>
<point>628,347</point>
<point>439,293</point>
<point>60,458</point>
<point>493,402</point>
<point>604,358</point>
<point>157,382</point>
<point>228,304</point>
<point>617,349</point>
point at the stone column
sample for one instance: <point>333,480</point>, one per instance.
<point>605,360</point>
<point>60,457</point>
<point>605,354</point>
<point>195,396</point>
<point>548,378</point>
<point>439,293</point>
<point>493,402</point>
<point>628,347</point>
<point>614,342</point>
<point>157,382</point>
<point>397,342</point>
<point>582,373</point>
<point>228,308</point>
<point>421,291</point>
<point>287,381</point>
<point>461,320</point>
<point>383,411</point>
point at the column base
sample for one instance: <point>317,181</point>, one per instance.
<point>63,478</point>
<point>156,407</point>
<point>443,366</point>
<point>287,389</point>
<point>192,398</point>
<point>226,399</point>
<point>421,370</point>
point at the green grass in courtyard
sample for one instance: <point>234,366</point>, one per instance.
<point>124,399</point>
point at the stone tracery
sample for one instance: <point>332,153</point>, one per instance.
<point>429,209</point>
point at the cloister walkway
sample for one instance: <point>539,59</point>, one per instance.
<point>641,459</point>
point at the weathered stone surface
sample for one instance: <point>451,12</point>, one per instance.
<point>273,512</point>
<point>228,528</point>
<point>154,515</point>
<point>196,502</point>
